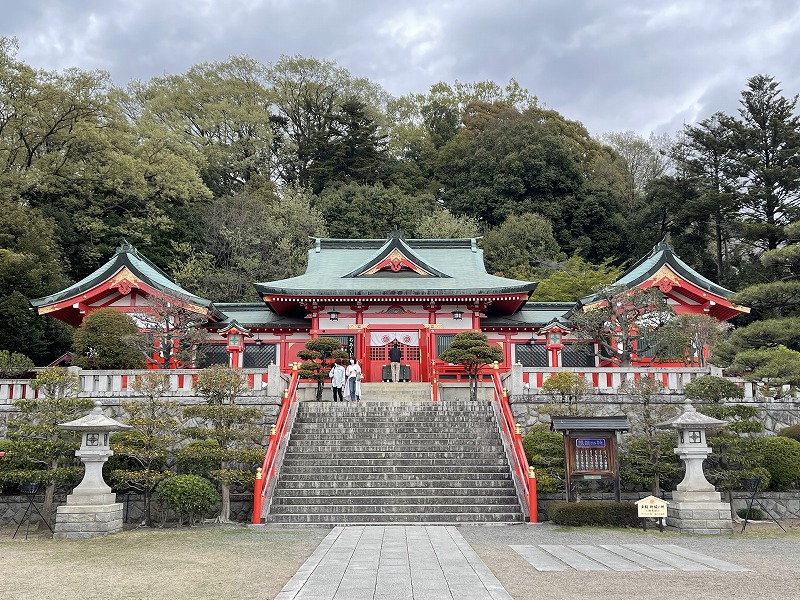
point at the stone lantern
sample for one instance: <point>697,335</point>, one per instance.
<point>92,509</point>
<point>696,506</point>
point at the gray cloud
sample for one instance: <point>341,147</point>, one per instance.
<point>640,65</point>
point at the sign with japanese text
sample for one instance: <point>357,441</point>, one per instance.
<point>651,507</point>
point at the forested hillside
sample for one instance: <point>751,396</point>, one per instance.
<point>220,174</point>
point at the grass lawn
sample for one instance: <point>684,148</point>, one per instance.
<point>228,563</point>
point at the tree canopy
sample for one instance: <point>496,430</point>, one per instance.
<point>221,173</point>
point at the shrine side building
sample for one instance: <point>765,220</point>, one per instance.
<point>370,294</point>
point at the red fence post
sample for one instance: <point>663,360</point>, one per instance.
<point>257,497</point>
<point>533,500</point>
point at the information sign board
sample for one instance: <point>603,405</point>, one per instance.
<point>590,443</point>
<point>652,507</point>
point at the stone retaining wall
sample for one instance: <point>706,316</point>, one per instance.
<point>12,509</point>
<point>781,505</point>
<point>775,413</point>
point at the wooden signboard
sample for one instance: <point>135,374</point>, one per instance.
<point>590,448</point>
<point>652,507</point>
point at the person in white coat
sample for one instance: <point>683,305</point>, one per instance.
<point>337,381</point>
<point>352,390</point>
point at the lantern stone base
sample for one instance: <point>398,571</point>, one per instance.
<point>699,512</point>
<point>80,522</point>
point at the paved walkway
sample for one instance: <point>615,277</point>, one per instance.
<point>393,562</point>
<point>626,557</point>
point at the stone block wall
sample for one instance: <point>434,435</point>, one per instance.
<point>12,510</point>
<point>775,413</point>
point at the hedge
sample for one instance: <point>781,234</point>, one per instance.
<point>576,514</point>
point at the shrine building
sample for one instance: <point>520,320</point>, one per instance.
<point>371,294</point>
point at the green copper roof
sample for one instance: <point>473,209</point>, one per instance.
<point>337,268</point>
<point>251,315</point>
<point>125,256</point>
<point>663,254</point>
<point>533,314</point>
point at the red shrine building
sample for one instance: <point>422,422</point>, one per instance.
<point>371,294</point>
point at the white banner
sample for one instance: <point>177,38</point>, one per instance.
<point>381,338</point>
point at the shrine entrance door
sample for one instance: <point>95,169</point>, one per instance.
<point>380,344</point>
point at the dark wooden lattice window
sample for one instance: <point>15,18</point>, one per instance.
<point>443,342</point>
<point>578,355</point>
<point>410,352</point>
<point>531,355</point>
<point>347,341</point>
<point>259,356</point>
<point>212,354</point>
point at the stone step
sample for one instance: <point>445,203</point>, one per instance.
<point>398,518</point>
<point>392,408</point>
<point>369,488</point>
<point>389,508</point>
<point>421,436</point>
<point>394,431</point>
<point>466,471</point>
<point>329,447</point>
<point>377,441</point>
<point>401,456</point>
<point>359,476</point>
<point>390,463</point>
<point>395,392</point>
<point>408,503</point>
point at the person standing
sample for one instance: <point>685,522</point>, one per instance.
<point>354,376</point>
<point>337,381</point>
<point>395,354</point>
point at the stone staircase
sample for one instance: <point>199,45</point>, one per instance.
<point>395,462</point>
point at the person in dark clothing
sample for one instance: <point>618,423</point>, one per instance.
<point>395,354</point>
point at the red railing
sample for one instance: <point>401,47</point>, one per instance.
<point>279,431</point>
<point>513,434</point>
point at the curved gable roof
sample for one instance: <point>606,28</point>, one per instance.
<point>339,268</point>
<point>125,257</point>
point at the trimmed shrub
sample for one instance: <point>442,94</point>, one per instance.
<point>545,452</point>
<point>781,457</point>
<point>791,432</point>
<point>189,496</point>
<point>610,514</point>
<point>199,457</point>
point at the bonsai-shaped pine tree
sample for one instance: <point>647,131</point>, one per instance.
<point>141,452</point>
<point>237,430</point>
<point>318,358</point>
<point>471,349</point>
<point>43,452</point>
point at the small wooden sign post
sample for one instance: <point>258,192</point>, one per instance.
<point>652,507</point>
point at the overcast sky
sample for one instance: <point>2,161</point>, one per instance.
<point>612,64</point>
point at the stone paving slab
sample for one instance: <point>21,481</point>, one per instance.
<point>394,562</point>
<point>627,557</point>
